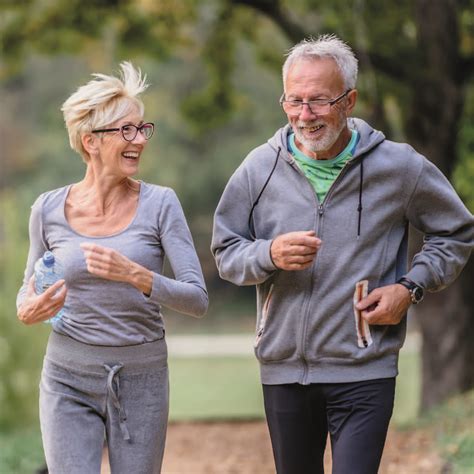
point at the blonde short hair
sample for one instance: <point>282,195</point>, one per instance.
<point>102,101</point>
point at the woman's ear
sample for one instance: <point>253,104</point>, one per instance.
<point>90,142</point>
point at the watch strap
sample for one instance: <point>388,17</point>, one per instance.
<point>416,291</point>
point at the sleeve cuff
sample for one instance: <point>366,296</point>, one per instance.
<point>265,257</point>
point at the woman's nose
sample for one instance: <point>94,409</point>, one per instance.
<point>139,138</point>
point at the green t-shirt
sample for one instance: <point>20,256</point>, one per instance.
<point>322,173</point>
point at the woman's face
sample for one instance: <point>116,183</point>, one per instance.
<point>117,156</point>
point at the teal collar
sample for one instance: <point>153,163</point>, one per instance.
<point>346,153</point>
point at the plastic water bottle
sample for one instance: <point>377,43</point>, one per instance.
<point>47,272</point>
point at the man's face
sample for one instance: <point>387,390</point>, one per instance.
<point>319,136</point>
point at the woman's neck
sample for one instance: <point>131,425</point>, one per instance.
<point>104,192</point>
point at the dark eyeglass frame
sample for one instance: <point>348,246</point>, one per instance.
<point>311,103</point>
<point>137,129</point>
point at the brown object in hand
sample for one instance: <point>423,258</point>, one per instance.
<point>364,338</point>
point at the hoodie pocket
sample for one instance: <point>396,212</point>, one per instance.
<point>263,321</point>
<point>276,334</point>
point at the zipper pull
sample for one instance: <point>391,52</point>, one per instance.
<point>320,210</point>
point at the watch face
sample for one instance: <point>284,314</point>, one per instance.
<point>417,294</point>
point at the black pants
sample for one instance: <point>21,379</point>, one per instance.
<point>355,414</point>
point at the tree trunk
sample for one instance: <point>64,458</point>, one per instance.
<point>447,325</point>
<point>446,319</point>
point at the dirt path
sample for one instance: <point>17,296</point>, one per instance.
<point>244,448</point>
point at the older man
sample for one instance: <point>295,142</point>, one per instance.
<point>317,217</point>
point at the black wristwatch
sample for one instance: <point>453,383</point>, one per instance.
<point>416,292</point>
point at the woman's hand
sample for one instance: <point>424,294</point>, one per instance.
<point>36,308</point>
<point>109,264</point>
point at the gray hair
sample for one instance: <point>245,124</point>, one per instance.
<point>102,101</point>
<point>325,46</point>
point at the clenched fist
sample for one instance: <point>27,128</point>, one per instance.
<point>295,250</point>
<point>112,265</point>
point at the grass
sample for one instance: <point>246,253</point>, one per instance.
<point>21,452</point>
<point>407,392</point>
<point>215,387</point>
<point>453,427</point>
<point>229,387</point>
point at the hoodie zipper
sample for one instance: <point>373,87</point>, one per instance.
<point>308,297</point>
<point>348,164</point>
<point>320,212</point>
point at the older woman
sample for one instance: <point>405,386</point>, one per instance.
<point>105,371</point>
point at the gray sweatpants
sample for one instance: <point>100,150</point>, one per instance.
<point>90,392</point>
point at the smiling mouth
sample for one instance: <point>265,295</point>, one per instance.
<point>312,129</point>
<point>131,155</point>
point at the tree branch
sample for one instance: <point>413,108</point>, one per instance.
<point>275,12</point>
<point>296,33</point>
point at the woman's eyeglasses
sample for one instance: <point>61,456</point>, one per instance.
<point>129,132</point>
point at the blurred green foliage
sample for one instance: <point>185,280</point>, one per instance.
<point>21,348</point>
<point>453,426</point>
<point>21,452</point>
<point>463,177</point>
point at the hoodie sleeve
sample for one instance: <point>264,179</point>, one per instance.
<point>448,227</point>
<point>239,259</point>
<point>187,292</point>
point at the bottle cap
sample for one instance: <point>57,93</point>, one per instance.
<point>48,259</point>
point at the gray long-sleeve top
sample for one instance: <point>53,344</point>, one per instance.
<point>110,313</point>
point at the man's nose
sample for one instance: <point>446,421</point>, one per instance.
<point>306,112</point>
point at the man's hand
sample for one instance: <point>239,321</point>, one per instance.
<point>385,305</point>
<point>295,250</point>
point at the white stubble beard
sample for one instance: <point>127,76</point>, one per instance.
<point>327,141</point>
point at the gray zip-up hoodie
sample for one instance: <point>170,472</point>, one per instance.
<point>306,329</point>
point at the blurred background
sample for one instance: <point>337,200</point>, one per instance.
<point>215,72</point>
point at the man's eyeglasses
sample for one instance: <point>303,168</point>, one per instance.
<point>129,132</point>
<point>316,106</point>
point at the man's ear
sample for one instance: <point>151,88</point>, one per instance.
<point>90,142</point>
<point>351,101</point>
